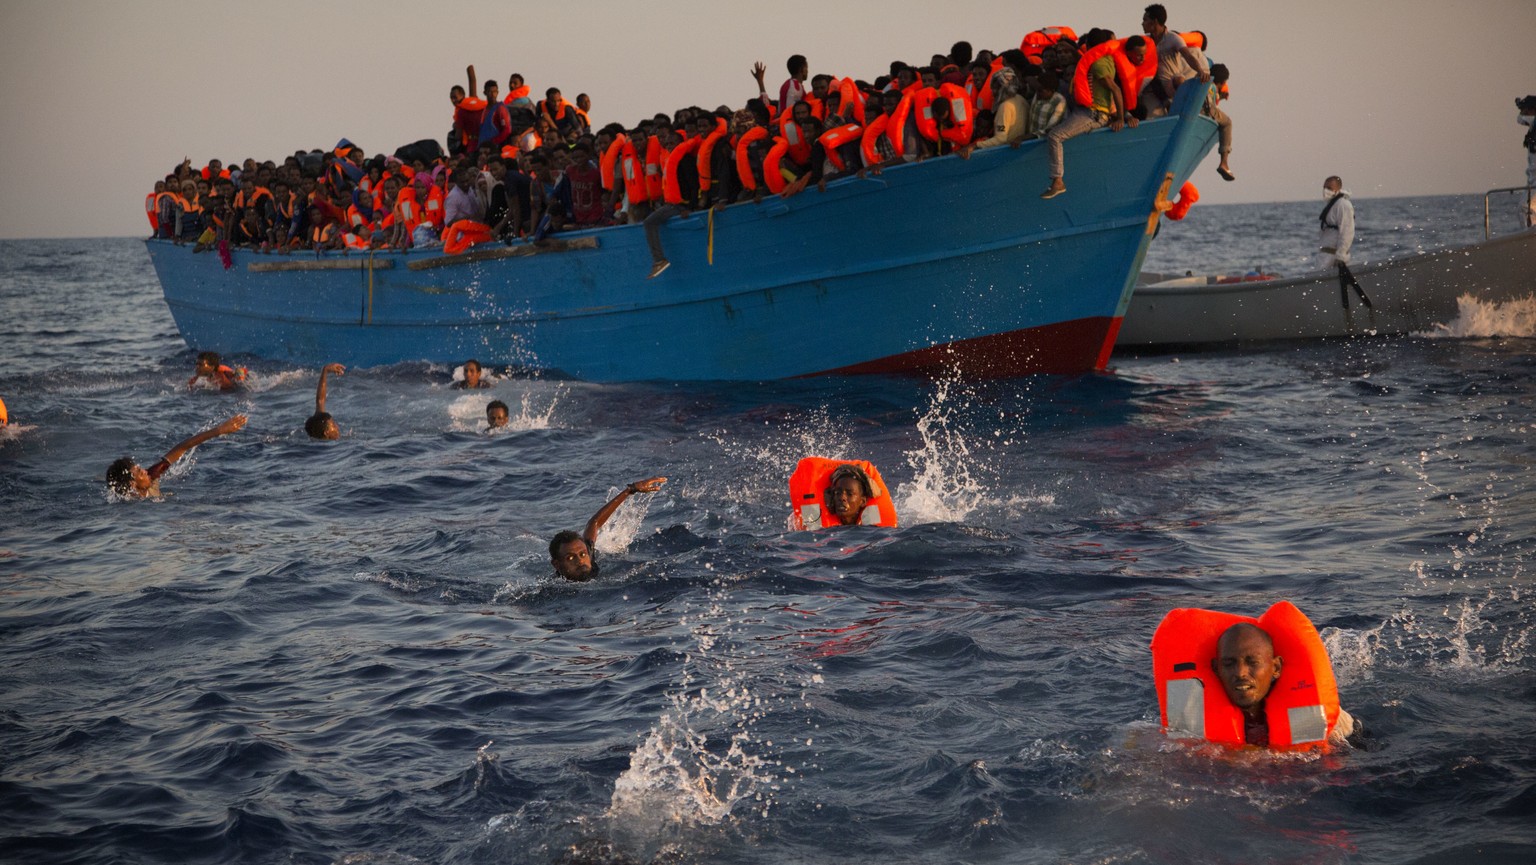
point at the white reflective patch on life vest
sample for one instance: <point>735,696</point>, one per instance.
<point>871,516</point>
<point>1186,706</point>
<point>811,516</point>
<point>1308,724</point>
<point>961,109</point>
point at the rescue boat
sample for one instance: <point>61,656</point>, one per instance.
<point>948,265</point>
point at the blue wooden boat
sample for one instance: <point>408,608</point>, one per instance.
<point>947,264</point>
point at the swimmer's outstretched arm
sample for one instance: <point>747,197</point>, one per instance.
<point>649,485</point>
<point>336,368</point>
<point>234,424</point>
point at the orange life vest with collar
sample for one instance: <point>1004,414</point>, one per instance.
<point>837,137</point>
<point>152,209</point>
<point>632,169</point>
<point>1302,706</point>
<point>962,115</point>
<point>655,162</point>
<point>868,147</point>
<point>706,157</point>
<point>808,499</point>
<point>794,136</point>
<point>1035,43</point>
<point>610,160</point>
<point>744,160</point>
<point>671,193</point>
<point>1128,76</point>
<point>773,178</point>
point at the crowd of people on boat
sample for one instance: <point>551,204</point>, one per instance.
<point>517,166</point>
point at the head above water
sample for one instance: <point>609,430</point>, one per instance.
<point>496,414</point>
<point>125,476</point>
<point>321,425</point>
<point>848,491</point>
<point>472,373</point>
<point>569,555</point>
<point>1247,666</point>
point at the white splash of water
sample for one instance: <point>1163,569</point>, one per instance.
<point>770,463</point>
<point>702,763</point>
<point>624,526</point>
<point>1474,318</point>
<point>263,383</point>
<point>467,412</point>
<point>1467,640</point>
<point>945,486</point>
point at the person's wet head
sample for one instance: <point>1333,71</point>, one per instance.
<point>848,491</point>
<point>1247,666</point>
<point>321,425</point>
<point>472,373</point>
<point>496,414</point>
<point>570,556</point>
<point>125,477</point>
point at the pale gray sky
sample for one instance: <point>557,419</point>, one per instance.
<point>1411,97</point>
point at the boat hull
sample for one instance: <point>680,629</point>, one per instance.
<point>946,264</point>
<point>1410,294</point>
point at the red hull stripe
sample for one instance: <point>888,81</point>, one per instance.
<point>1069,347</point>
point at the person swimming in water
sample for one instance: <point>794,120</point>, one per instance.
<point>575,556</point>
<point>472,376</point>
<point>211,367</point>
<point>496,414</point>
<point>127,478</point>
<point>321,425</point>
<point>1248,667</point>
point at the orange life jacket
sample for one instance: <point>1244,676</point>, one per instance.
<point>432,211</point>
<point>530,140</point>
<point>609,160</point>
<point>463,234</point>
<point>152,209</point>
<point>519,93</point>
<point>407,210</point>
<point>871,136</point>
<point>706,158</point>
<point>632,169</point>
<point>852,99</point>
<point>1194,39</point>
<point>837,137</point>
<point>655,162</point>
<point>322,234</point>
<point>1188,195</point>
<point>921,107</point>
<point>671,193</point>
<point>1128,76</point>
<point>353,240</point>
<point>962,115</point>
<point>808,495</point>
<point>356,219</point>
<point>1035,43</point>
<point>743,160</point>
<point>1303,702</point>
<point>794,136</point>
<point>773,178</point>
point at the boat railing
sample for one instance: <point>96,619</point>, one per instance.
<point>1487,211</point>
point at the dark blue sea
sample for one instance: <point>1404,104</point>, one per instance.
<point>355,652</point>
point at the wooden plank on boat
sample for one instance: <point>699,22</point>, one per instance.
<point>505,252</point>
<point>319,264</point>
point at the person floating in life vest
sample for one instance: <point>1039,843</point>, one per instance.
<point>574,556</point>
<point>128,479</point>
<point>1237,681</point>
<point>211,367</point>
<point>827,492</point>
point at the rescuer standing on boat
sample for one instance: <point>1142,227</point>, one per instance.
<point>1527,106</point>
<point>1337,235</point>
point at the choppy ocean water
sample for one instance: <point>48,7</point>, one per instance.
<point>353,651</point>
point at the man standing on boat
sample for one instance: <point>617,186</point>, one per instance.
<point>1336,235</point>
